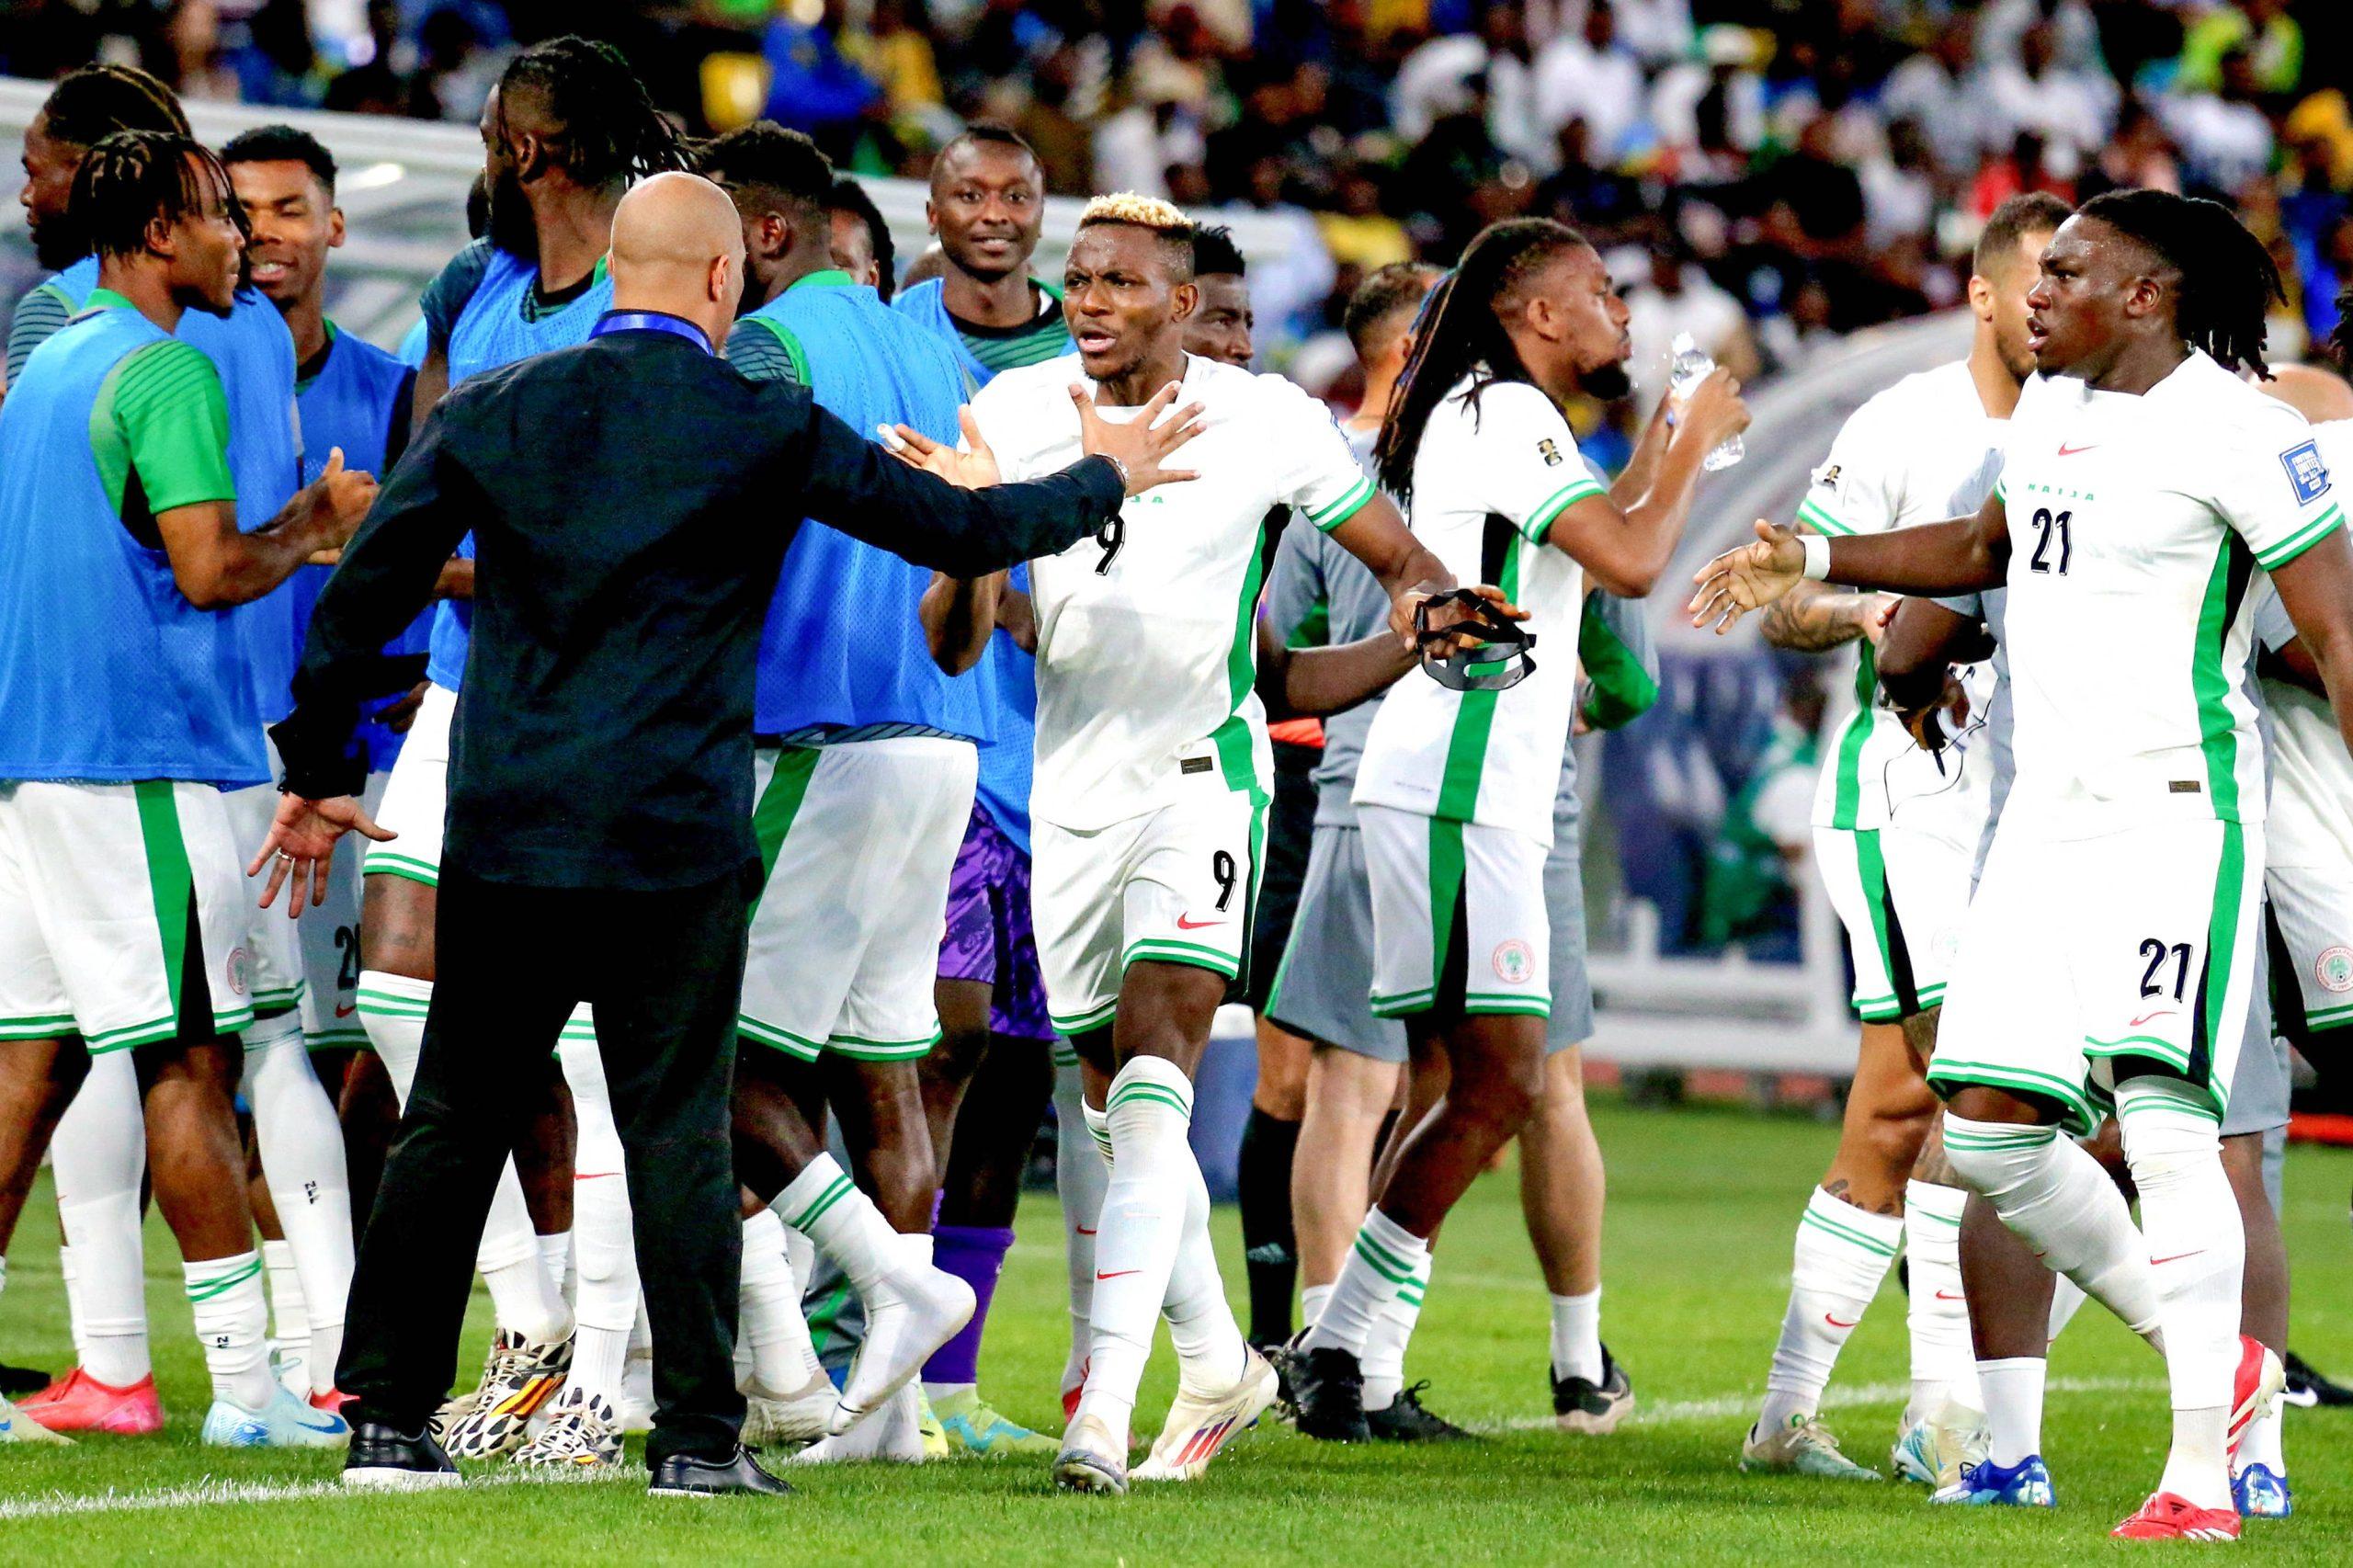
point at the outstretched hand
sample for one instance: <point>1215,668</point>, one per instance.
<point>972,467</point>
<point>1749,578</point>
<point>1141,444</point>
<point>302,841</point>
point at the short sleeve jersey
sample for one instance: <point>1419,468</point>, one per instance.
<point>1915,453</point>
<point>2312,773</point>
<point>2136,526</point>
<point>1146,651</point>
<point>1492,474</point>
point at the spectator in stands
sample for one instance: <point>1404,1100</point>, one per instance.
<point>813,85</point>
<point>1935,89</point>
<point>1675,296</point>
<point>2070,110</point>
<point>2263,29</point>
<point>1591,73</point>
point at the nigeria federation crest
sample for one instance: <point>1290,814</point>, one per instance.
<point>1513,961</point>
<point>2334,969</point>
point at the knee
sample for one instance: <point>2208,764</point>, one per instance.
<point>1281,1090</point>
<point>1893,1137</point>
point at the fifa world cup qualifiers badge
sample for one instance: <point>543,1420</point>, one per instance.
<point>2306,471</point>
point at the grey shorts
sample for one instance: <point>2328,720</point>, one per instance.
<point>2260,1085</point>
<point>1323,990</point>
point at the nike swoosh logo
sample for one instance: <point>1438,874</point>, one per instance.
<point>1187,923</point>
<point>343,1012</point>
<point>1117,1273</point>
<point>2160,1013</point>
<point>2177,1257</point>
<point>1083,1231</point>
<point>593,1175</point>
<point>1949,1296</point>
<point>2067,452</point>
<point>1836,1323</point>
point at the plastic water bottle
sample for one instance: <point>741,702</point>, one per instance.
<point>1685,371</point>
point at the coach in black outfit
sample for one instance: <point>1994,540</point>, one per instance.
<point>631,501</point>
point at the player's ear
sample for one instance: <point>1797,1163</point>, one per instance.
<point>1981,297</point>
<point>335,228</point>
<point>1185,299</point>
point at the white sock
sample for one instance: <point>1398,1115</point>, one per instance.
<point>1142,1229</point>
<point>1311,1304</point>
<point>604,1250</point>
<point>2013,1391</point>
<point>71,1277</point>
<point>2197,1252</point>
<point>96,1159</point>
<point>1842,1255</point>
<point>1577,1337</point>
<point>2056,1197</point>
<point>290,1321</point>
<point>1944,1363</point>
<point>1386,1257</point>
<point>1383,1363</point>
<point>303,1159</point>
<point>824,1205</point>
<point>522,1297</point>
<point>2066,1296</point>
<point>772,1329</point>
<point>232,1324</point>
<point>112,1286</point>
<point>1079,1179</point>
<point>555,1256</point>
<point>1210,1353</point>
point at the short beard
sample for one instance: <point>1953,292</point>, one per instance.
<point>1608,383</point>
<point>57,243</point>
<point>512,227</point>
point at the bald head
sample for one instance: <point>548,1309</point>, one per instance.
<point>678,248</point>
<point>2319,395</point>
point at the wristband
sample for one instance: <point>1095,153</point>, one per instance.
<point>1817,556</point>
<point>1117,467</point>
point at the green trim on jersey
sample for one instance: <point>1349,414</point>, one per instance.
<point>796,367</point>
<point>1946,1077</point>
<point>1046,336</point>
<point>39,315</point>
<point>161,414</point>
<point>1474,719</point>
<point>1539,522</point>
<point>1815,515</point>
<point>1350,503</point>
<point>2302,540</point>
<point>382,862</point>
<point>1622,689</point>
<point>1314,628</point>
<point>773,813</point>
<point>2225,592</point>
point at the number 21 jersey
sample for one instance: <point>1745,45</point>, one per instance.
<point>2136,525</point>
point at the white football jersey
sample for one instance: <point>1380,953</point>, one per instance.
<point>1490,477</point>
<point>2312,773</point>
<point>1147,645</point>
<point>1918,452</point>
<point>2136,526</point>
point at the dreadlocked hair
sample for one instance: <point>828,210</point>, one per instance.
<point>2341,340</point>
<point>89,105</point>
<point>2224,278</point>
<point>609,131</point>
<point>133,178</point>
<point>1461,333</point>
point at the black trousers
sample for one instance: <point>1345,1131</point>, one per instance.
<point>664,972</point>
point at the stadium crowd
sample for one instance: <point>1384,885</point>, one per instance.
<point>1801,167</point>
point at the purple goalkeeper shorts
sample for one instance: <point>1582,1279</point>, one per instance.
<point>989,938</point>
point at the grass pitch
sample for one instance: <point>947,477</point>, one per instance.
<point>1701,1209</point>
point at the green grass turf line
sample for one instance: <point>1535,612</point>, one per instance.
<point>1703,1204</point>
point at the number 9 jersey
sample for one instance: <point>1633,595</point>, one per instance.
<point>1152,759</point>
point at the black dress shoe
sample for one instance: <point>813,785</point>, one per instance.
<point>685,1475</point>
<point>385,1457</point>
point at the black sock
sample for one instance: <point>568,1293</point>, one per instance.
<point>1270,1246</point>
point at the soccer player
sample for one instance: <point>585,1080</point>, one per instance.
<point>124,918</point>
<point>863,784</point>
<point>101,1172</point>
<point>564,133</point>
<point>1328,968</point>
<point>2105,959</point>
<point>988,207</point>
<point>861,240</point>
<point>1148,804</point>
<point>1895,833</point>
<point>1220,329</point>
<point>1454,798</point>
